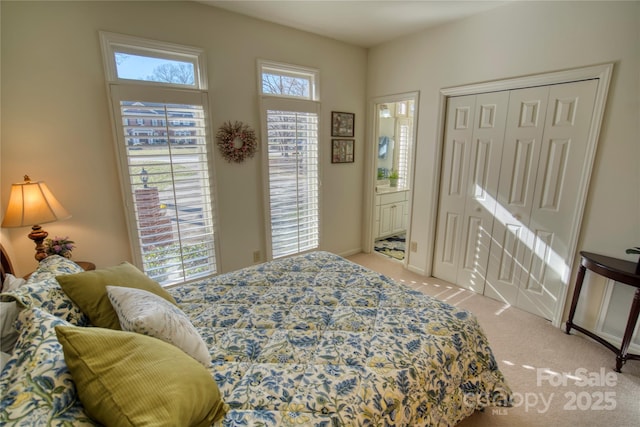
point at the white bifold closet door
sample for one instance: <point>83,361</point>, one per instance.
<point>512,164</point>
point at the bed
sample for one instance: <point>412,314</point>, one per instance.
<point>307,340</point>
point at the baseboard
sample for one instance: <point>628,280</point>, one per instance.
<point>350,252</point>
<point>416,270</point>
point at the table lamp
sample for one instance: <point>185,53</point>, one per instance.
<point>31,204</point>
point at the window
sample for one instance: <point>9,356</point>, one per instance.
<point>147,68</point>
<point>285,80</point>
<point>293,181</point>
<point>292,159</point>
<point>165,166</point>
<point>134,60</point>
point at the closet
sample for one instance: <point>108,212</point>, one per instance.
<point>513,164</point>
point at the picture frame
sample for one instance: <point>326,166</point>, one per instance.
<point>342,124</point>
<point>342,151</point>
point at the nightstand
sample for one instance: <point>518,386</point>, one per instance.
<point>86,265</point>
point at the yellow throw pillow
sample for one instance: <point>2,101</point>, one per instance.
<point>89,291</point>
<point>129,379</point>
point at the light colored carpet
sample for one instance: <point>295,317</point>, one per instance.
<point>532,354</point>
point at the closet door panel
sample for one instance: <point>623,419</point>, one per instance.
<point>518,170</point>
<point>554,210</point>
<point>503,269</point>
<point>482,189</point>
<point>511,182</point>
<point>453,191</point>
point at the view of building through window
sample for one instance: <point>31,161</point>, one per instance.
<point>167,159</point>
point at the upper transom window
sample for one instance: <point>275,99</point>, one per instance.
<point>288,81</point>
<point>132,59</point>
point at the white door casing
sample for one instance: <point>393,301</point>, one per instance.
<point>506,210</point>
<point>600,72</point>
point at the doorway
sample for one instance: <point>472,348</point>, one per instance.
<point>393,152</point>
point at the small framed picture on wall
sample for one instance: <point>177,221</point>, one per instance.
<point>342,151</point>
<point>342,124</point>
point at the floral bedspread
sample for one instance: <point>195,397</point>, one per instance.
<point>317,340</point>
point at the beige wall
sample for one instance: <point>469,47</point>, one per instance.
<point>56,125</point>
<point>516,40</point>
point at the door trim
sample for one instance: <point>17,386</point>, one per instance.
<point>603,73</point>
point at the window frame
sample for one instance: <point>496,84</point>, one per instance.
<point>270,101</point>
<point>113,43</point>
<point>167,93</point>
<point>289,70</point>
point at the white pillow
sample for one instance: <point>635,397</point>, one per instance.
<point>143,312</point>
<point>11,283</point>
<point>8,315</point>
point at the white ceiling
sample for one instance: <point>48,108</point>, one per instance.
<point>365,23</point>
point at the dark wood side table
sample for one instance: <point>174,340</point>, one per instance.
<point>621,271</point>
<point>86,265</point>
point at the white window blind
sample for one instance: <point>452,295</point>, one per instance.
<point>404,145</point>
<point>293,181</point>
<point>163,150</point>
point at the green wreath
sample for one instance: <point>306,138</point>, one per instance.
<point>227,136</point>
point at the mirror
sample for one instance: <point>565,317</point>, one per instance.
<point>394,130</point>
<point>394,140</point>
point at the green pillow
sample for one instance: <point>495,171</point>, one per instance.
<point>129,379</point>
<point>89,291</point>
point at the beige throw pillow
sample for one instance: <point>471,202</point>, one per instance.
<point>143,312</point>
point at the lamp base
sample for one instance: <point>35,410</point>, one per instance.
<point>38,235</point>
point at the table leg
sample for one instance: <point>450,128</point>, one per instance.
<point>576,295</point>
<point>621,358</point>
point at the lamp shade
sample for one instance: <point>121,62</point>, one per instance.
<point>32,203</point>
